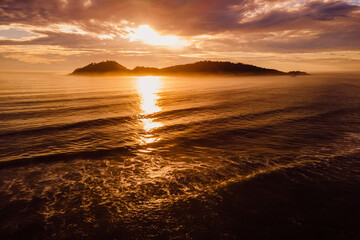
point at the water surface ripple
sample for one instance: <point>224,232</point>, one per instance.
<point>179,158</point>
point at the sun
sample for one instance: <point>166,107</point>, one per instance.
<point>149,36</point>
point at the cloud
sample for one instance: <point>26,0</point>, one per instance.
<point>210,27</point>
<point>329,10</point>
<point>312,14</point>
<point>179,17</point>
<point>198,15</point>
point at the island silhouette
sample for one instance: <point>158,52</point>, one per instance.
<point>111,67</point>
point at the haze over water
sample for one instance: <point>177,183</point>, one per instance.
<point>179,157</point>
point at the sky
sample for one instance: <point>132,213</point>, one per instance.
<point>60,35</point>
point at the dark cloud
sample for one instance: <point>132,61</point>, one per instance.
<point>326,11</point>
<point>345,39</point>
<point>341,40</point>
<point>185,17</point>
<point>53,38</point>
<point>74,41</point>
<point>192,15</point>
<point>311,15</point>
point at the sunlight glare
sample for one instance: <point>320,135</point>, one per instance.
<point>148,35</point>
<point>149,124</point>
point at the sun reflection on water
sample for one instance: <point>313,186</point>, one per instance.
<point>148,88</point>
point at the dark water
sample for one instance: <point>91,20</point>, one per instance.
<point>179,158</point>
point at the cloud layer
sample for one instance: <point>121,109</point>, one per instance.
<point>213,28</point>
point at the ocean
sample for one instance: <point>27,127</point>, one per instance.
<point>274,157</point>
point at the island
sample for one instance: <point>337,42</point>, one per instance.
<point>198,68</point>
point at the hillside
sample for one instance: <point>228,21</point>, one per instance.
<point>101,68</point>
<point>198,68</point>
<point>221,68</point>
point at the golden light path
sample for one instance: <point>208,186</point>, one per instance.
<point>148,88</point>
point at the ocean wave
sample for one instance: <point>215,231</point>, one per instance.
<point>76,125</point>
<point>91,154</point>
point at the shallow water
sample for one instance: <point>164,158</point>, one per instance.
<point>179,158</point>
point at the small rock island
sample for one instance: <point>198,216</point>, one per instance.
<point>197,68</point>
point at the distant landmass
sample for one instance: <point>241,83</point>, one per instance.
<point>198,68</point>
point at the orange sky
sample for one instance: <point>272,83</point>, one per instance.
<point>53,35</point>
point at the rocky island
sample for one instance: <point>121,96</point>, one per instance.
<point>198,68</point>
